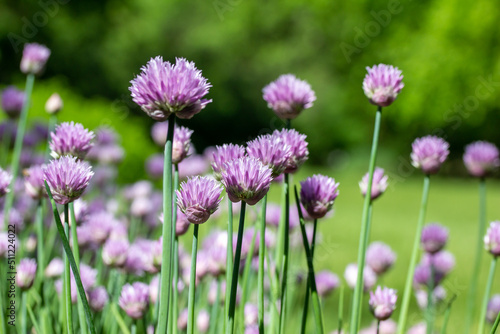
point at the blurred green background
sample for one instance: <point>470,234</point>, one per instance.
<point>448,50</point>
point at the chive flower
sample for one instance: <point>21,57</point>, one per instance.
<point>271,152</point>
<point>382,84</point>
<point>429,153</point>
<point>481,158</point>
<point>12,101</point>
<point>34,58</point>
<point>383,302</point>
<point>224,154</point>
<point>198,198</point>
<point>134,299</point>
<point>298,146</point>
<point>317,194</point>
<point>70,139</point>
<point>492,239</point>
<point>379,183</point>
<point>163,89</point>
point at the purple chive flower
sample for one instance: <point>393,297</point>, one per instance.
<point>34,58</point>
<point>288,96</point>
<point>98,298</point>
<point>326,282</point>
<point>134,299</point>
<point>70,139</point>
<point>382,84</point>
<point>162,89</point>
<point>493,308</point>
<point>246,179</point>
<point>380,257</point>
<point>492,239</point>
<point>271,152</point>
<point>224,154</point>
<point>182,223</point>
<point>26,272</point>
<point>317,194</point>
<point>159,133</point>
<point>33,182</point>
<point>429,153</point>
<point>383,302</point>
<point>434,238</point>
<point>298,145</point>
<point>67,178</point>
<point>54,104</point>
<point>55,268</point>
<point>203,321</point>
<point>198,198</point>
<point>181,144</point>
<point>12,101</point>
<point>5,179</point>
<point>351,276</point>
<point>114,252</point>
<point>379,183</point>
<point>481,158</point>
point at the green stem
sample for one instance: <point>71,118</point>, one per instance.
<point>236,264</point>
<point>430,295</point>
<point>363,237</point>
<point>69,254</point>
<point>119,319</point>
<point>246,275</point>
<point>18,146</point>
<point>229,256</point>
<point>40,244</point>
<point>76,253</point>
<point>33,319</point>
<point>413,260</point>
<point>318,315</point>
<point>378,326</point>
<point>7,136</point>
<point>286,253</point>
<point>341,309</point>
<point>306,299</point>
<point>167,254</point>
<point>262,251</point>
<point>67,277</point>
<point>472,293</point>
<point>24,320</point>
<point>192,281</point>
<point>214,315</point>
<point>175,292</point>
<point>495,325</point>
<point>447,314</point>
<point>487,292</point>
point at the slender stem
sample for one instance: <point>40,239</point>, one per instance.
<point>484,306</point>
<point>367,239</point>
<point>133,329</point>
<point>33,319</point>
<point>166,277</point>
<point>192,281</point>
<point>413,260</point>
<point>341,309</point>
<point>472,293</point>
<point>119,319</point>
<point>358,291</point>
<point>214,315</point>
<point>306,299</point>
<point>495,325</point>
<point>175,265</point>
<point>24,320</point>
<point>430,295</point>
<point>67,277</point>
<point>6,141</point>
<point>318,315</point>
<point>262,251</point>
<point>175,291</point>
<point>18,145</point>
<point>229,256</point>
<point>76,253</point>
<point>236,264</point>
<point>286,253</point>
<point>244,285</point>
<point>447,314</point>
<point>40,244</point>
<point>69,254</point>
<point>378,326</point>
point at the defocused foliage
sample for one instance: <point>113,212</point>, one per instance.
<point>447,50</point>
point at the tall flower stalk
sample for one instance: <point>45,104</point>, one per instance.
<point>381,86</point>
<point>481,159</point>
<point>428,154</point>
<point>262,252</point>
